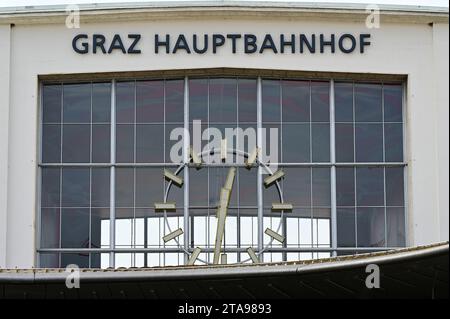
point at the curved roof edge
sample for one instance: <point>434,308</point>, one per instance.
<point>229,8</point>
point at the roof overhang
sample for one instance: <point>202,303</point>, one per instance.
<point>141,11</point>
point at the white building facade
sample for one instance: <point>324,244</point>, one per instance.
<point>377,93</point>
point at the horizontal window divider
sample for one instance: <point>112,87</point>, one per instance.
<point>162,165</point>
<point>211,249</point>
<point>377,164</point>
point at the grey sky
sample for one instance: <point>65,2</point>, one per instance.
<point>15,3</point>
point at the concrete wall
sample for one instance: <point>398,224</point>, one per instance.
<point>417,50</point>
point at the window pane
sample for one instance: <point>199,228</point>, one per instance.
<point>125,143</point>
<point>217,177</point>
<point>77,103</point>
<point>393,100</point>
<point>52,98</point>
<point>100,187</point>
<point>222,100</point>
<point>343,100</point>
<point>150,101</point>
<point>80,259</point>
<point>198,100</point>
<point>368,106</point>
<point>369,142</point>
<point>50,221</point>
<point>101,141</point>
<point>393,141</point>
<point>75,187</point>
<point>247,187</point>
<point>51,143</point>
<point>100,227</point>
<point>370,186</point>
<point>296,101</point>
<point>344,143</point>
<point>394,186</point>
<point>247,92</point>
<point>395,226</point>
<point>75,228</point>
<point>175,101</point>
<point>76,143</point>
<point>371,227</point>
<point>271,101</point>
<point>346,224</point>
<point>271,136</point>
<point>150,143</point>
<point>101,102</point>
<point>320,101</point>
<point>345,186</point>
<point>321,187</point>
<point>125,96</point>
<point>198,187</point>
<point>149,186</point>
<point>320,143</point>
<point>296,143</point>
<point>297,186</point>
<point>50,192</point>
<point>124,187</point>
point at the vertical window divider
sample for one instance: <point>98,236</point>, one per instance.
<point>384,166</point>
<point>260,171</point>
<point>333,170</point>
<point>186,142</point>
<point>112,184</point>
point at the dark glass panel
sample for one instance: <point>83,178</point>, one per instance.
<point>75,187</point>
<point>368,105</point>
<point>175,101</point>
<point>296,143</point>
<point>150,143</point>
<point>346,227</point>
<point>101,143</point>
<point>198,100</point>
<point>124,187</point>
<point>50,222</point>
<point>125,143</point>
<point>149,186</point>
<point>271,98</point>
<point>344,143</point>
<point>296,101</point>
<point>50,192</point>
<point>75,228</point>
<point>48,260</point>
<point>395,224</point>
<point>370,186</point>
<point>320,101</point>
<point>175,145</point>
<point>198,187</point>
<point>100,187</point>
<point>247,100</point>
<point>247,139</point>
<point>51,143</point>
<point>343,100</point>
<point>77,103</point>
<point>101,102</point>
<point>321,187</point>
<point>80,259</point>
<point>125,98</point>
<point>149,101</point>
<point>297,186</point>
<point>369,142</point>
<point>222,100</point>
<point>100,227</point>
<point>320,143</point>
<point>393,103</point>
<point>271,139</point>
<point>394,186</point>
<point>76,143</point>
<point>371,227</point>
<point>52,103</point>
<point>345,186</point>
<point>393,142</point>
<point>247,187</point>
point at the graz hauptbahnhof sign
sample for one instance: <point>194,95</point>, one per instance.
<point>213,43</point>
